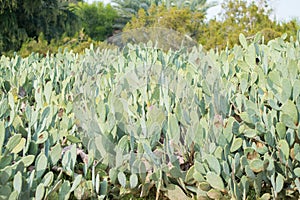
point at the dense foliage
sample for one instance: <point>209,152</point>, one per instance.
<point>184,124</point>
<point>182,20</point>
<point>23,22</point>
<point>97,19</point>
<point>237,17</point>
<point>128,9</point>
<point>23,19</point>
<point>77,24</point>
<point>241,17</point>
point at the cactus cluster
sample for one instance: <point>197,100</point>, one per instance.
<point>185,123</point>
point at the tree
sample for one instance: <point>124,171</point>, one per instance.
<point>183,16</point>
<point>130,8</point>
<point>52,17</point>
<point>97,19</point>
<point>127,9</point>
<point>193,5</point>
<point>23,19</point>
<point>238,17</point>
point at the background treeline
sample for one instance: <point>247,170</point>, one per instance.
<point>45,25</point>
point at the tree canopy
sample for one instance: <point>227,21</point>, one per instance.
<point>97,19</point>
<point>182,20</point>
<point>22,19</point>
<point>239,16</point>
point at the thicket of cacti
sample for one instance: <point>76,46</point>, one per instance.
<point>185,124</point>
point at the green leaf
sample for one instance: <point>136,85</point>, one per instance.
<point>257,37</point>
<point>284,147</point>
<point>245,184</point>
<point>290,109</point>
<point>296,89</point>
<point>40,191</point>
<point>97,183</point>
<point>236,144</point>
<point>5,175</point>
<point>64,191</point>
<point>297,182</point>
<point>215,181</point>
<point>113,174</point>
<point>122,179</point>
<point>258,184</point>
<point>27,160</point>
<point>5,161</point>
<point>175,172</point>
<point>156,114</point>
<point>41,165</point>
<point>42,137</point>
<point>275,77</point>
<point>250,56</point>
<point>48,91</point>
<point>265,196</point>
<point>213,164</point>
<point>250,133</point>
<point>69,159</point>
<point>273,104</point>
<point>175,192</point>
<point>243,40</point>
<point>11,100</point>
<point>225,168</point>
<point>101,111</point>
<point>228,129</point>
<point>205,87</point>
<point>2,135</point>
<point>288,121</point>
<point>214,194</point>
<point>173,130</point>
<point>257,165</point>
<point>297,171</point>
<point>198,176</point>
<point>104,187</point>
<point>14,195</point>
<point>279,183</point>
<point>55,154</point>
<point>5,191</point>
<point>297,151</point>
<point>287,90</point>
<point>189,175</point>
<point>133,180</point>
<point>219,151</point>
<point>13,142</point>
<point>73,139</point>
<point>48,179</point>
<point>45,113</point>
<point>76,182</point>
<point>6,86</point>
<point>19,147</point>
<point>281,130</point>
<point>204,186</point>
<point>18,182</point>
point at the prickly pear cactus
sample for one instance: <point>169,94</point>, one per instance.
<point>177,123</point>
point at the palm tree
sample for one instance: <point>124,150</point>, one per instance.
<point>126,9</point>
<point>200,5</point>
<point>193,5</point>
<point>129,8</point>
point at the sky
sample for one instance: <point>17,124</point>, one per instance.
<point>284,10</point>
